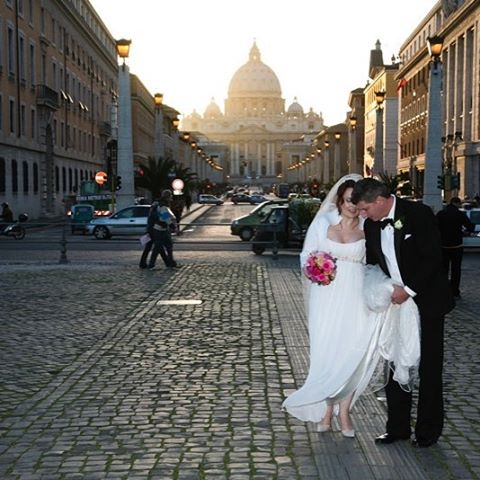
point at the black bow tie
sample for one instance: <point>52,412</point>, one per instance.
<point>386,221</point>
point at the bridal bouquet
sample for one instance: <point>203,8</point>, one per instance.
<point>320,268</point>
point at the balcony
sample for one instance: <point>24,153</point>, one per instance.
<point>46,97</point>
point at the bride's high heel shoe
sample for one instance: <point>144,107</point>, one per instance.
<point>322,428</point>
<point>349,433</point>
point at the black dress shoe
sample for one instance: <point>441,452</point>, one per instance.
<point>388,438</point>
<point>421,443</point>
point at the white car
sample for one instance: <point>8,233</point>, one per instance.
<point>127,221</point>
<point>473,240</point>
<point>207,199</point>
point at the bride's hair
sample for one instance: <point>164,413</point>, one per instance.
<point>341,190</point>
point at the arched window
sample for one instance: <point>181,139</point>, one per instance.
<point>35,178</point>
<point>2,176</point>
<point>14,176</point>
<point>57,179</point>
<point>64,179</point>
<point>25,176</point>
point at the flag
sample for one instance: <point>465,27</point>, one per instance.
<point>401,84</point>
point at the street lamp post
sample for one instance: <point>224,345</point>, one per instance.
<point>432,194</point>
<point>352,164</point>
<point>126,194</point>
<point>378,157</point>
<point>337,168</point>
<point>159,144</point>
<point>326,163</point>
<point>175,124</point>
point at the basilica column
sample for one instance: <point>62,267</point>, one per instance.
<point>259,159</point>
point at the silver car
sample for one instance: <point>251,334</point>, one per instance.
<point>473,240</point>
<point>128,221</point>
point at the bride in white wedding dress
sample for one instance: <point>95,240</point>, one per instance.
<point>342,335</point>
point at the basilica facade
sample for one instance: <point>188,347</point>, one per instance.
<point>254,125</point>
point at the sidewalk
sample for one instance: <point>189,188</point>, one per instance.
<point>104,378</point>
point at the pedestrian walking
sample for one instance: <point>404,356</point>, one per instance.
<point>453,223</point>
<point>151,220</point>
<point>162,236</point>
<point>403,239</point>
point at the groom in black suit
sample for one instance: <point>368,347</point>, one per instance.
<point>402,237</point>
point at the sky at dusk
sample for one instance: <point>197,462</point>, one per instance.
<point>319,50</point>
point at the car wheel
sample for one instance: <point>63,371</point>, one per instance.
<point>101,233</point>
<point>246,234</point>
<point>257,249</point>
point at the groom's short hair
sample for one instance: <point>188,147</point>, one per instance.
<point>368,189</point>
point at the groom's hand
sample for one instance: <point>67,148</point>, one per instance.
<point>399,295</point>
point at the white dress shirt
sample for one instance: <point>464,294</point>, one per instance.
<point>388,249</point>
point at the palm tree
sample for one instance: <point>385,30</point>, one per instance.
<point>158,175</point>
<point>391,181</point>
<point>155,175</point>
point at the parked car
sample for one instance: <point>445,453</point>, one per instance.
<point>208,199</point>
<point>80,215</point>
<point>244,226</point>
<point>241,198</point>
<point>127,221</point>
<point>257,198</point>
<point>473,240</point>
<point>278,229</point>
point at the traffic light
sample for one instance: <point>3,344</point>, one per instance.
<point>455,182</point>
<point>441,182</point>
<point>118,182</point>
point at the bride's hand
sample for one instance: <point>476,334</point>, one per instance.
<point>399,295</point>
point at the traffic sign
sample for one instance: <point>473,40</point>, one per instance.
<point>100,177</point>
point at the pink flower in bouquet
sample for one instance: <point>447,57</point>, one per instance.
<point>320,268</point>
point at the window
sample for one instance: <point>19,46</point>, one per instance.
<point>64,179</point>
<point>25,176</point>
<point>35,178</point>
<point>11,51</point>
<point>30,11</point>
<point>22,120</point>
<point>20,7</point>
<point>70,180</point>
<point>14,176</point>
<point>32,123</point>
<point>32,65</point>
<point>21,57</point>
<point>57,179</point>
<point>42,21</point>
<point>54,76</point>
<point>2,175</point>
<point>1,112</point>
<point>11,115</point>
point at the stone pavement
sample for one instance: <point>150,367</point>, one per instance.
<point>102,378</point>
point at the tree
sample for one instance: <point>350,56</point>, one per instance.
<point>189,180</point>
<point>391,181</point>
<point>155,176</point>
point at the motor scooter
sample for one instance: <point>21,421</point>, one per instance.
<point>16,229</point>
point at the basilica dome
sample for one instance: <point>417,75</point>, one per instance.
<point>212,110</point>
<point>254,79</point>
<point>295,109</point>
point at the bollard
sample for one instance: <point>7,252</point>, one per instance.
<point>63,246</point>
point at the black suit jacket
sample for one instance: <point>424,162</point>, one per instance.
<point>419,256</point>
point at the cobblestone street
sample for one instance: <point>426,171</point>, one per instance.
<point>103,378</point>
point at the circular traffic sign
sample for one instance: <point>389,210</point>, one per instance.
<point>100,177</point>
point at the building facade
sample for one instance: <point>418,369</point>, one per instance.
<point>58,81</point>
<point>457,22</point>
<point>255,124</point>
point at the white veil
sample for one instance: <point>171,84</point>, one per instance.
<point>327,215</point>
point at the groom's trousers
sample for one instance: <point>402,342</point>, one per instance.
<point>429,422</point>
